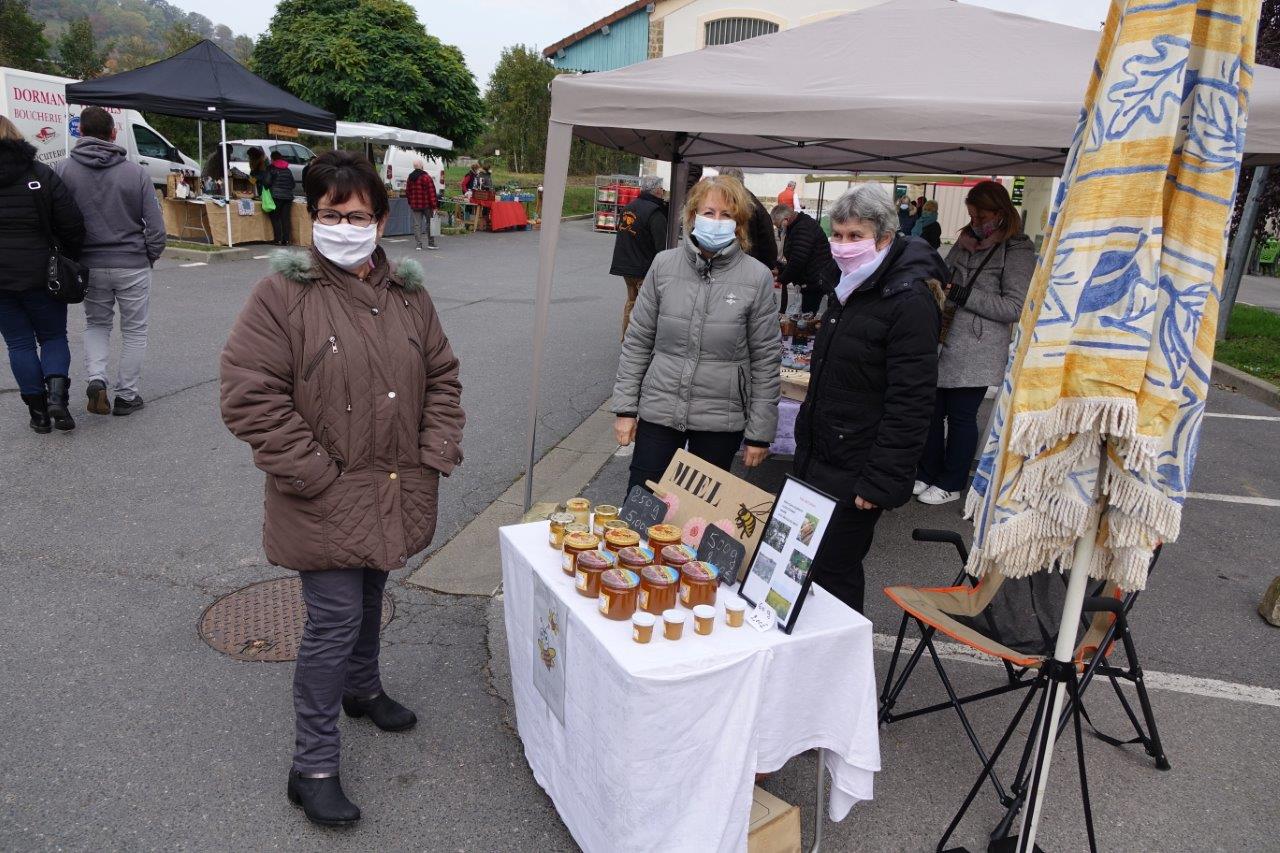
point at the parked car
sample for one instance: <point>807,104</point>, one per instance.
<point>397,163</point>
<point>297,156</point>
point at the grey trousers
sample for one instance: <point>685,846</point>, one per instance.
<point>338,655</point>
<point>130,291</point>
<point>421,220</point>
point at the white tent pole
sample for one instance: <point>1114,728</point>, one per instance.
<point>200,140</point>
<point>226,183</point>
<point>1063,653</point>
<point>555,176</point>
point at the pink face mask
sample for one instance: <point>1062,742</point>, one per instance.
<point>850,256</point>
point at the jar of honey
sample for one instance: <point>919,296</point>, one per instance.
<point>588,566</point>
<point>635,558</point>
<point>676,556</point>
<point>619,589</point>
<point>559,521</point>
<point>615,540</point>
<point>574,544</point>
<point>698,581</point>
<point>662,535</point>
<point>658,587</point>
<point>616,524</point>
<point>604,514</point>
<point>581,509</point>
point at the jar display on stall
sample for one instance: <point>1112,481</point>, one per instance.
<point>559,521</point>
<point>698,582</point>
<point>588,567</point>
<point>619,590</point>
<point>616,524</point>
<point>676,556</point>
<point>659,586</point>
<point>574,544</point>
<point>581,509</point>
<point>604,514</point>
<point>635,558</point>
<point>616,540</point>
<point>662,535</point>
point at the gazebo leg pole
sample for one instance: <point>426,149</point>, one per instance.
<point>226,184</point>
<point>819,807</point>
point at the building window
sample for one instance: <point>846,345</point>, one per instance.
<point>730,30</point>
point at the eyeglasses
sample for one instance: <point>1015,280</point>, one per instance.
<point>358,218</point>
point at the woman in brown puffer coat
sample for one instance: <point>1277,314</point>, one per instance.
<point>340,377</point>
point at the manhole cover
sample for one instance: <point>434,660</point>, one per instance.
<point>263,621</point>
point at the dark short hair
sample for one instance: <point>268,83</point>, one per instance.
<point>340,175</point>
<point>96,122</point>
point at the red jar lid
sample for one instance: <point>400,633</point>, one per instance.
<point>620,579</point>
<point>700,570</point>
<point>635,556</point>
<point>678,554</point>
<point>660,575</point>
<point>597,560</point>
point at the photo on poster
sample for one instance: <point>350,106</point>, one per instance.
<point>763,566</point>
<point>775,535</point>
<point>780,605</point>
<point>807,528</point>
<point>798,567</point>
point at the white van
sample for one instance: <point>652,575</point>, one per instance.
<point>37,104</point>
<point>293,153</point>
<point>397,163</point>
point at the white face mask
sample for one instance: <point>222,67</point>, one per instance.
<point>714,234</point>
<point>347,245</point>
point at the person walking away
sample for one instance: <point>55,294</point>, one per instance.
<point>760,231</point>
<point>642,233</point>
<point>788,195</point>
<point>706,375</point>
<point>420,190</point>
<point>32,322</point>
<point>927,226</point>
<point>282,185</point>
<point>807,254</point>
<point>990,268</point>
<point>258,169</point>
<point>124,237</point>
<point>341,379</point>
<point>875,364</point>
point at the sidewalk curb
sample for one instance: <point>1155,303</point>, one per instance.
<point>1250,386</point>
<point>215,256</point>
<point>576,217</point>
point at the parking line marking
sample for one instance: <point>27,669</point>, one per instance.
<point>260,257</point>
<point>196,264</point>
<point>1210,688</point>
<point>1242,417</point>
<point>1234,499</point>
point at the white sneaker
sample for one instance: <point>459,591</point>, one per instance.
<point>935,496</point>
<point>919,487</point>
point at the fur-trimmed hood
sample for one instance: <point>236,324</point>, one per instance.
<point>300,267</point>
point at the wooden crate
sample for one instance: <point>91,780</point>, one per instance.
<point>775,825</point>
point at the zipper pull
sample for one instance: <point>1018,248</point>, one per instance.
<point>333,342</point>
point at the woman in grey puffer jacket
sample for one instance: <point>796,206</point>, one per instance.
<point>991,265</point>
<point>700,362</point>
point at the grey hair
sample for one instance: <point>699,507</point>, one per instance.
<point>781,212</point>
<point>649,183</point>
<point>733,172</point>
<point>417,162</point>
<point>870,203</point>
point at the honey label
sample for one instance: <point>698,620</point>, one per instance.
<point>644,599</point>
<point>635,634</point>
<point>566,562</point>
<point>604,603</point>
<point>582,581</point>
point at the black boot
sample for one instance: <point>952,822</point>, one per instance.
<point>59,388</point>
<point>386,713</point>
<point>38,405</point>
<point>322,800</point>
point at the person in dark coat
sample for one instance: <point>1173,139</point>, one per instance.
<point>420,192</point>
<point>907,214</point>
<point>764,237</point>
<point>258,167</point>
<point>866,415</point>
<point>806,258</point>
<point>282,185</point>
<point>642,234</point>
<point>32,322</point>
<point>927,226</point>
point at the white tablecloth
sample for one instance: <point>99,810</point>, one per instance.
<point>660,743</point>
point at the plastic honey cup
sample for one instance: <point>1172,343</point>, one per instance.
<point>642,626</point>
<point>673,623</point>
<point>704,618</point>
<point>735,612</point>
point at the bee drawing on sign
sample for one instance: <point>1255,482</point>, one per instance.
<point>548,655</point>
<point>747,518</point>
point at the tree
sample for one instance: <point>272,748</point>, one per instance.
<point>22,41</point>
<point>1268,53</point>
<point>78,52</point>
<point>180,37</point>
<point>519,104</point>
<point>371,60</point>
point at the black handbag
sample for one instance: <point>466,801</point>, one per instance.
<point>67,280</point>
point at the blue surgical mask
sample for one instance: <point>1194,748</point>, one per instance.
<point>714,234</point>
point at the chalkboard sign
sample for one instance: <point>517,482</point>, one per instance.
<point>727,553</point>
<point>642,510</point>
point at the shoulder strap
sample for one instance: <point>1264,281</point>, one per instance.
<point>974,274</point>
<point>42,210</point>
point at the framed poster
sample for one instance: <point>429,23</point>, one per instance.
<point>782,568</point>
<point>551,617</point>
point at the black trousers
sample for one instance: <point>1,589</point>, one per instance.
<point>656,445</point>
<point>282,222</point>
<point>838,563</point>
<point>953,438</point>
<point>810,299</point>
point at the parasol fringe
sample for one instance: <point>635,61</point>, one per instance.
<point>1112,418</point>
<point>1142,503</point>
<point>1038,476</point>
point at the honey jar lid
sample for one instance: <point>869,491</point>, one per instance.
<point>621,579</point>
<point>581,541</point>
<point>621,537</point>
<point>607,509</point>
<point>596,560</point>
<point>700,570</point>
<point>635,555</point>
<point>664,532</point>
<point>562,518</point>
<point>577,504</point>
<point>678,554</point>
<point>661,575</point>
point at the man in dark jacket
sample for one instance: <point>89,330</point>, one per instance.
<point>283,187</point>
<point>866,415</point>
<point>124,237</point>
<point>806,258</point>
<point>642,233</point>
<point>764,238</point>
<point>420,192</point>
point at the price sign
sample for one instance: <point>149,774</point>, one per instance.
<point>642,509</point>
<point>762,617</point>
<point>727,553</point>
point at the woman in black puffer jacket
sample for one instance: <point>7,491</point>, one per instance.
<point>33,323</point>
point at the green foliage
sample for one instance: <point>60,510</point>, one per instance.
<point>371,60</point>
<point>22,41</point>
<point>1253,342</point>
<point>78,52</point>
<point>518,103</point>
<point>179,37</point>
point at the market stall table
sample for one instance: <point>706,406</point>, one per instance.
<point>655,747</point>
<point>504,214</point>
<point>202,220</point>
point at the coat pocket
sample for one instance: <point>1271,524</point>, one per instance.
<point>419,504</point>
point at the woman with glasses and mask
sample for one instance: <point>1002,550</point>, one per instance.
<point>341,379</point>
<point>700,362</point>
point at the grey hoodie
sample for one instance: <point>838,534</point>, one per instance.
<point>124,228</point>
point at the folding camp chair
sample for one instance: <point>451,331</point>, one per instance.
<point>964,614</point>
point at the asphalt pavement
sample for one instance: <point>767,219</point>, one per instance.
<point>1260,290</point>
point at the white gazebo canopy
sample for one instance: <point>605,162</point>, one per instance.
<point>382,134</point>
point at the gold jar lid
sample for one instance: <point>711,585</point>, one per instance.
<point>607,509</point>
<point>581,541</point>
<point>577,505</point>
<point>622,537</point>
<point>665,533</point>
<point>562,519</point>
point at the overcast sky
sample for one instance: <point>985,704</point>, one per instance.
<point>483,27</point>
